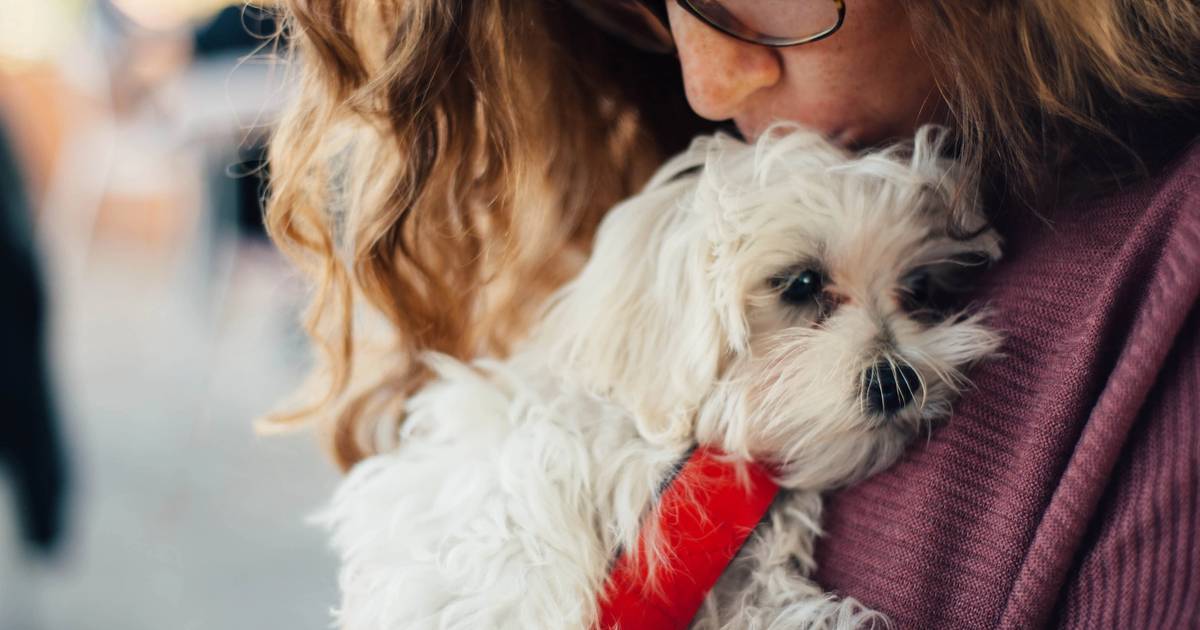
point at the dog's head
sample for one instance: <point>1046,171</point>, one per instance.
<point>788,295</point>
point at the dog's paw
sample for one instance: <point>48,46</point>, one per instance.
<point>824,612</point>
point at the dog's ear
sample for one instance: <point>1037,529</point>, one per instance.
<point>639,324</point>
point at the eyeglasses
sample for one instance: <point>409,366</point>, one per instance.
<point>775,23</point>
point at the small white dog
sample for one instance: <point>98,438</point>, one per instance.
<point>789,303</point>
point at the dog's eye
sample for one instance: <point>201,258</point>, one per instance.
<point>935,291</point>
<point>800,287</point>
<point>918,296</point>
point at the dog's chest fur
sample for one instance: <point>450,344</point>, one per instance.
<point>548,485</point>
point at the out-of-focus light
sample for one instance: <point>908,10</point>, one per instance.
<point>32,30</point>
<point>36,30</point>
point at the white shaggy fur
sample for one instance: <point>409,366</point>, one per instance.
<point>516,481</point>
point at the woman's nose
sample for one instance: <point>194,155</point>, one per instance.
<point>720,73</point>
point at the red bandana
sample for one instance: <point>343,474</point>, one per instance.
<point>706,514</point>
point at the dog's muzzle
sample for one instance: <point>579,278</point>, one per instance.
<point>888,388</point>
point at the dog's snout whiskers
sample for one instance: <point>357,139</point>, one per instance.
<point>888,386</point>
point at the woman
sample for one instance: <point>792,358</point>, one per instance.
<point>446,163</point>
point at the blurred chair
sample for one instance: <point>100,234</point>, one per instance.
<point>239,30</point>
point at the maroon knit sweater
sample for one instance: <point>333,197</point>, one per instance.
<point>1066,489</point>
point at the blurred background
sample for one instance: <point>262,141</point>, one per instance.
<point>145,323</point>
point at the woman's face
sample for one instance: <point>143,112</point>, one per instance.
<point>862,85</point>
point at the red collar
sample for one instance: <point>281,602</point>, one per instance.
<point>706,512</point>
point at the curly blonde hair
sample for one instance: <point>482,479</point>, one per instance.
<point>446,162</point>
<point>443,169</point>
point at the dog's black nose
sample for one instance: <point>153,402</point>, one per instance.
<point>889,387</point>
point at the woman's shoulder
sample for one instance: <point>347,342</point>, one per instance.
<point>1172,188</point>
<point>1098,220</point>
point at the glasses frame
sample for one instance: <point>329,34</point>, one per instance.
<point>659,9</point>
